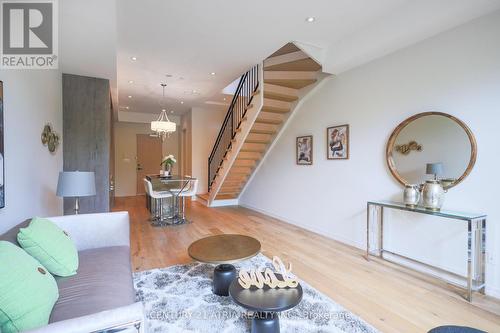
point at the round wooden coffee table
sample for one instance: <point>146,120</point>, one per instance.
<point>224,250</point>
<point>266,304</point>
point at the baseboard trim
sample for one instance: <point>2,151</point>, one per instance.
<point>493,292</point>
<point>490,291</point>
<point>316,230</point>
<point>222,203</point>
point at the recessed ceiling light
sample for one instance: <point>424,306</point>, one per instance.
<point>130,81</point>
<point>129,96</point>
<point>133,58</point>
<point>127,107</point>
<point>182,102</point>
<point>213,73</point>
<point>310,19</point>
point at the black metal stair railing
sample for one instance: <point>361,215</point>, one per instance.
<point>248,85</point>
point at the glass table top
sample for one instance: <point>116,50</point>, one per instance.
<point>175,182</point>
<point>442,213</point>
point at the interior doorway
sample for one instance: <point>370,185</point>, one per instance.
<point>184,152</point>
<point>149,155</point>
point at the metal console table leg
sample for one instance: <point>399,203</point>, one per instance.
<point>476,241</point>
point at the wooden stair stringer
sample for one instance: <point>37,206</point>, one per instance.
<point>304,93</point>
<point>238,142</point>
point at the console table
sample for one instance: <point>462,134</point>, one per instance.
<point>476,240</point>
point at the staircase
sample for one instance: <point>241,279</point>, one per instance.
<point>265,98</point>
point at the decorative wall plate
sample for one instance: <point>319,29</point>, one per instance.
<point>50,138</point>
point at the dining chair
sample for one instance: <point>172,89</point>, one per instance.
<point>189,191</point>
<point>157,202</point>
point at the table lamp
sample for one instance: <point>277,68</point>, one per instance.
<point>76,184</point>
<point>435,169</point>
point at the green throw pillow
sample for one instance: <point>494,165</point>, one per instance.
<point>50,245</point>
<point>28,291</point>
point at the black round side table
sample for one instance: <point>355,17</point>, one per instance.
<point>224,274</point>
<point>266,304</point>
<point>455,329</point>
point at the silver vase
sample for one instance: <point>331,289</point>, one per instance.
<point>433,195</point>
<point>411,195</point>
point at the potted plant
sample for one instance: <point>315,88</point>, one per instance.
<point>167,163</point>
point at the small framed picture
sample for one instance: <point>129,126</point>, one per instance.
<point>304,150</point>
<point>337,142</point>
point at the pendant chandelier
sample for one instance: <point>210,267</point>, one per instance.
<point>163,126</point>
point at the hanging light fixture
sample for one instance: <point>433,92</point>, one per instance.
<point>163,126</point>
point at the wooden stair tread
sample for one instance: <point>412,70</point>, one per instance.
<point>280,97</point>
<point>290,75</point>
<point>306,65</point>
<point>268,121</point>
<point>258,138</point>
<point>258,141</point>
<point>230,191</point>
<point>274,110</point>
<point>256,131</point>
<point>243,163</point>
<point>249,156</point>
<point>276,106</point>
<point>288,48</point>
<point>297,84</point>
<point>204,196</point>
<point>225,197</point>
<point>280,93</point>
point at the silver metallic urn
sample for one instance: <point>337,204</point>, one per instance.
<point>411,195</point>
<point>433,195</point>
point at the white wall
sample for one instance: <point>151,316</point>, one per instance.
<point>31,99</point>
<point>88,34</point>
<point>457,72</point>
<point>126,155</point>
<point>205,126</point>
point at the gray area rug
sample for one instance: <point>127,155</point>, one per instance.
<point>180,299</point>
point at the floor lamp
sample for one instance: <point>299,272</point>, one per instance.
<point>76,184</point>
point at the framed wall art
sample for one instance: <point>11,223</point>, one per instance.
<point>337,142</point>
<point>304,150</point>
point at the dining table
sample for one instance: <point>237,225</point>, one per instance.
<point>175,185</point>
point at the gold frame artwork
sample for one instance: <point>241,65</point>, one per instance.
<point>347,143</point>
<point>297,150</point>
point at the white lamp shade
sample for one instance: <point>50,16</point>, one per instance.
<point>76,184</point>
<point>163,126</point>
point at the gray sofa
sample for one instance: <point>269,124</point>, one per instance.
<point>101,295</point>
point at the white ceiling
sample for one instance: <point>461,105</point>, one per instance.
<point>189,39</point>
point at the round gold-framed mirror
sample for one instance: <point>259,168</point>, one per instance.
<point>431,144</point>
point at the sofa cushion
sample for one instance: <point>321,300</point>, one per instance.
<point>11,235</point>
<point>27,290</point>
<point>103,282</point>
<point>50,245</point>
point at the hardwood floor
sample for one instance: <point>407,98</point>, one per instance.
<point>387,296</point>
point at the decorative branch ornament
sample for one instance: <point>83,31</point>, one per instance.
<point>247,279</point>
<point>50,138</point>
<point>406,148</point>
